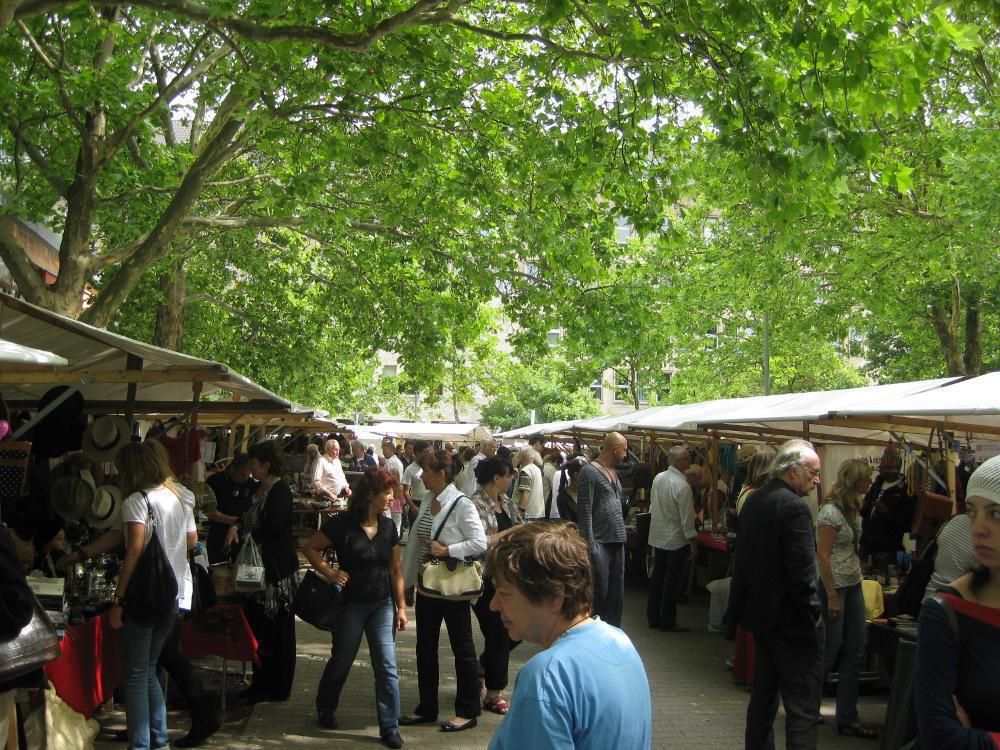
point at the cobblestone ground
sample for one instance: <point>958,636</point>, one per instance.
<point>695,704</point>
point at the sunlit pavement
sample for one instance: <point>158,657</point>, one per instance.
<point>695,703</point>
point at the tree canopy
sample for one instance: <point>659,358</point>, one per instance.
<point>312,182</point>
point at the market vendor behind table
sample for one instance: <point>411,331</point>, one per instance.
<point>233,488</point>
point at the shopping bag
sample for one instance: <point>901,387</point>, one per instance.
<point>250,567</point>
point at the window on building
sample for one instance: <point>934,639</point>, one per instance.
<point>555,336</point>
<point>390,371</point>
<point>597,389</point>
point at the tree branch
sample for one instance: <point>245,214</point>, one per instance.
<point>35,154</point>
<point>243,222</point>
<point>512,36</point>
<point>71,112</point>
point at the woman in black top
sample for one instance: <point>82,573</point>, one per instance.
<point>269,521</point>
<point>367,547</point>
<point>498,513</point>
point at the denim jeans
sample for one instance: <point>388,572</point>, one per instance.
<point>377,621</point>
<point>846,635</point>
<point>145,709</point>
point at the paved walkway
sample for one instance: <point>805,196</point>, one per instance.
<point>695,704</point>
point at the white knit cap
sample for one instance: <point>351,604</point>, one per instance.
<point>985,481</point>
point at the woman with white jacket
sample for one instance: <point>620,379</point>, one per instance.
<point>459,534</point>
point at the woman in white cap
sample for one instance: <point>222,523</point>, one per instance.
<point>958,645</point>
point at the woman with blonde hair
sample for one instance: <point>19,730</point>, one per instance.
<point>152,499</point>
<point>841,599</point>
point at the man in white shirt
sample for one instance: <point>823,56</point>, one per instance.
<point>529,493</point>
<point>413,486</point>
<point>328,476</point>
<point>486,448</point>
<point>673,538</point>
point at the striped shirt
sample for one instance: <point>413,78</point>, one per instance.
<point>954,555</point>
<point>599,506</point>
<point>424,535</point>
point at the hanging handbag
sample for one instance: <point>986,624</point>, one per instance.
<point>319,602</point>
<point>202,592</point>
<point>152,590</point>
<point>36,645</point>
<point>250,567</point>
<point>450,578</point>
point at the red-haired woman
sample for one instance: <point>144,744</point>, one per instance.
<point>370,571</point>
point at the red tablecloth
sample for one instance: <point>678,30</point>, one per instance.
<point>705,539</point>
<point>90,667</point>
<point>222,631</point>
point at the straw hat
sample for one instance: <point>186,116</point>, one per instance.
<point>105,509</point>
<point>744,452</point>
<point>104,438</point>
<point>73,495</point>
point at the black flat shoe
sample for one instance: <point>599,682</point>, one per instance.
<point>392,738</point>
<point>858,730</point>
<point>198,734</point>
<point>450,726</point>
<point>409,721</point>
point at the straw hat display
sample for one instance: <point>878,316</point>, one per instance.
<point>106,508</point>
<point>73,495</point>
<point>104,438</point>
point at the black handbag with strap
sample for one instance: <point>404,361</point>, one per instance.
<point>319,602</point>
<point>152,590</point>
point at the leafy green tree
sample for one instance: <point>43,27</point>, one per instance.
<point>543,387</point>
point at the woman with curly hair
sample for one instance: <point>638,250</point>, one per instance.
<point>841,599</point>
<point>367,547</point>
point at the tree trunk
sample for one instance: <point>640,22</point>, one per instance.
<point>945,320</point>
<point>973,335</point>
<point>170,314</point>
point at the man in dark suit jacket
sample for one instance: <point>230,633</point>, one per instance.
<point>774,595</point>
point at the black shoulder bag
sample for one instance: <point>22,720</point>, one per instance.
<point>152,591</point>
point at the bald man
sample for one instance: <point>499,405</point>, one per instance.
<point>602,525</point>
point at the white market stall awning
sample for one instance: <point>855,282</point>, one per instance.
<point>25,357</point>
<point>461,432</point>
<point>541,428</point>
<point>110,363</point>
<point>975,396</point>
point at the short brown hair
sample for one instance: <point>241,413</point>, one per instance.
<point>546,560</point>
<point>267,451</point>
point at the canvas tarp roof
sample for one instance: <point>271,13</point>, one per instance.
<point>165,376</point>
<point>543,428</point>
<point>26,356</point>
<point>814,414</point>
<point>964,398</point>
<point>455,431</point>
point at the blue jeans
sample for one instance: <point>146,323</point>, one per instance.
<point>846,635</point>
<point>377,621</point>
<point>145,709</point>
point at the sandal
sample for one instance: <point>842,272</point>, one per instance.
<point>497,705</point>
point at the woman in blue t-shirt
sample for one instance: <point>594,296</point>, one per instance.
<point>367,547</point>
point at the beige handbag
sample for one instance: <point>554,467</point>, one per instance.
<point>450,578</point>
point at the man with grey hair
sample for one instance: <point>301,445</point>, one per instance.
<point>529,491</point>
<point>774,596</point>
<point>486,448</point>
<point>329,480</point>
<point>602,525</point>
<point>673,538</point>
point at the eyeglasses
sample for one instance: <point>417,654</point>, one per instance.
<point>813,472</point>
